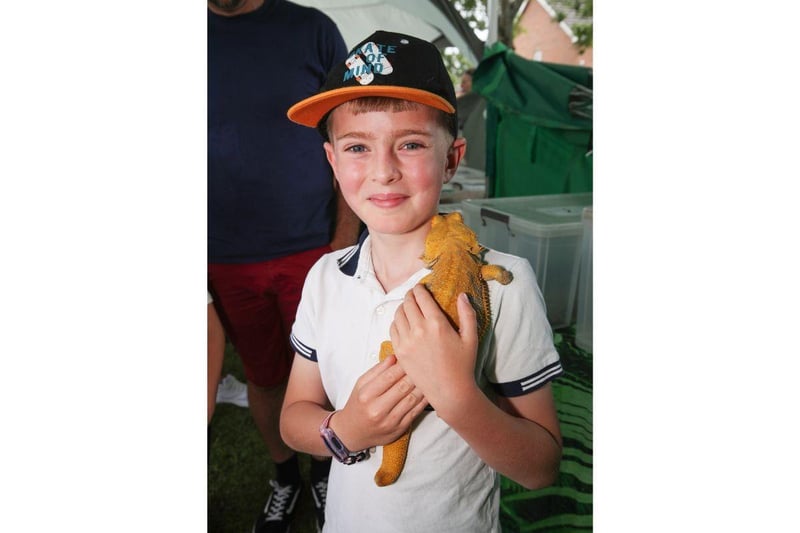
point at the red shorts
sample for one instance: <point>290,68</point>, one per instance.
<point>257,303</point>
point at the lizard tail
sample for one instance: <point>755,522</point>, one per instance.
<point>394,454</point>
<point>394,458</point>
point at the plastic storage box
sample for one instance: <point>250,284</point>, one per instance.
<point>583,326</point>
<point>466,183</point>
<point>545,229</point>
<point>444,209</point>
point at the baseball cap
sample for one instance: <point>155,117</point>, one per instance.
<point>384,64</point>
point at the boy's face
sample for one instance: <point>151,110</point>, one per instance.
<point>391,165</point>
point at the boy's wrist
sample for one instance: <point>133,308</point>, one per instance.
<point>335,445</point>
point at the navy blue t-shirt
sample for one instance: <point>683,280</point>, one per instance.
<point>270,188</point>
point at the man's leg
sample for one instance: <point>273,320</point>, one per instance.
<point>252,317</point>
<point>265,406</point>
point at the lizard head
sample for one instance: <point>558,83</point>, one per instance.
<point>447,232</point>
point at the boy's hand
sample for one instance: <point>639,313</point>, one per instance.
<point>437,358</point>
<point>383,404</point>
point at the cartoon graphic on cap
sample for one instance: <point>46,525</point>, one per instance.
<point>366,60</point>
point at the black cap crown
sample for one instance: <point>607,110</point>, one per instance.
<point>384,64</point>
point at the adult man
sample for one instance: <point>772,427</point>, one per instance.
<point>273,209</point>
<point>467,100</point>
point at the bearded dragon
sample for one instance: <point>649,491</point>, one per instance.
<point>455,258</point>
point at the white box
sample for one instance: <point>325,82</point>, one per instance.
<point>583,326</point>
<point>445,209</point>
<point>547,231</point>
<point>466,183</point>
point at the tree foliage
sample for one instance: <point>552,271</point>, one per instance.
<point>581,30</point>
<point>475,12</point>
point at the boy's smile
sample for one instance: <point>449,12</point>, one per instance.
<point>387,200</point>
<point>391,165</point>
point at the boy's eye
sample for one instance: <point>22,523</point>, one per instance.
<point>412,146</point>
<point>357,148</point>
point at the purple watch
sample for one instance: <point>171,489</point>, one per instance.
<point>337,448</point>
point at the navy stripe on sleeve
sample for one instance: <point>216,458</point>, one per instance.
<point>306,351</point>
<point>530,383</point>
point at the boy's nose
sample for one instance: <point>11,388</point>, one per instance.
<point>385,170</point>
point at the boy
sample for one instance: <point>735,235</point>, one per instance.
<point>388,115</point>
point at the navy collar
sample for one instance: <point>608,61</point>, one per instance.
<point>348,263</point>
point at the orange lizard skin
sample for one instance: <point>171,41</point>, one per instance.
<point>455,258</point>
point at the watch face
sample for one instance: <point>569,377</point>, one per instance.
<point>339,450</point>
<point>334,444</point>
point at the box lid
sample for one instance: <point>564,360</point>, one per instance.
<point>541,215</point>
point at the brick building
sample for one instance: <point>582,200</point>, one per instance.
<point>544,38</point>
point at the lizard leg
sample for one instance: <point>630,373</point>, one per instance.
<point>497,273</point>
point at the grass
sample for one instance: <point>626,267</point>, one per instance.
<point>239,465</point>
<point>239,468</point>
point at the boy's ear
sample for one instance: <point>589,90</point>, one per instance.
<point>454,156</point>
<point>329,152</point>
<point>331,157</point>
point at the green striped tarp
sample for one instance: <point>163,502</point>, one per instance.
<point>566,506</point>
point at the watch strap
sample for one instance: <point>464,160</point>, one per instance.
<point>337,447</point>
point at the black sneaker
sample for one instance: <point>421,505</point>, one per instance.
<point>319,491</point>
<point>279,509</point>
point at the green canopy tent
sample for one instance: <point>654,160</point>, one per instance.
<point>538,125</point>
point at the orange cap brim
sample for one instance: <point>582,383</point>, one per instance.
<point>310,111</point>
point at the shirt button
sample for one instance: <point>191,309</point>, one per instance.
<point>380,309</point>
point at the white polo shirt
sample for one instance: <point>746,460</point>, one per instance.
<point>343,317</point>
